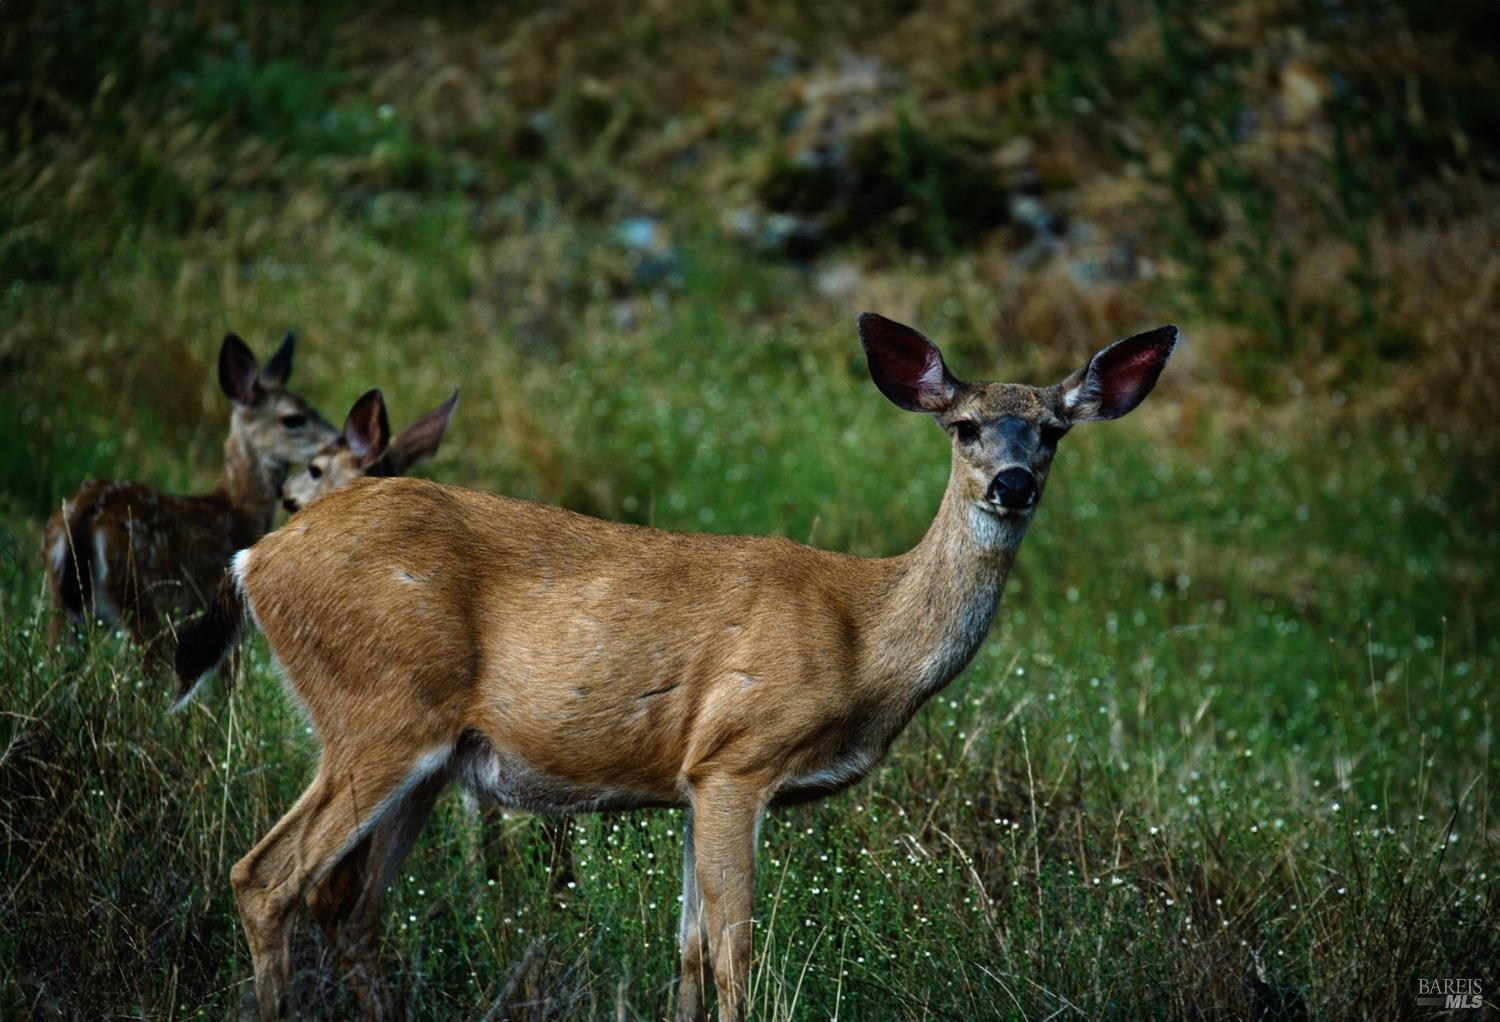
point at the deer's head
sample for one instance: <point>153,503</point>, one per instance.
<point>277,427</point>
<point>1005,434</point>
<point>365,448</point>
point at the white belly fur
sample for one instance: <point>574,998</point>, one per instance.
<point>501,776</point>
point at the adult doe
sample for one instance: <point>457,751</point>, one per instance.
<point>132,556</point>
<point>364,448</point>
<point>559,663</point>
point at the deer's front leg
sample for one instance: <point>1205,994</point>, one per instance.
<point>726,816</point>
<point>692,935</point>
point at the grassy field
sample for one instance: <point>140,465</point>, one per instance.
<point>1227,752</point>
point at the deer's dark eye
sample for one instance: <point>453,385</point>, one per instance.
<point>315,471</point>
<point>965,431</point>
<point>1051,434</point>
<point>294,421</point>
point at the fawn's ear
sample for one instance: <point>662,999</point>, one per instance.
<point>419,441</point>
<point>278,367</point>
<point>367,431</point>
<point>238,371</point>
<point>1119,377</point>
<point>907,367</point>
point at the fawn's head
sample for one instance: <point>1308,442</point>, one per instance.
<point>276,427</point>
<point>1005,434</point>
<point>365,448</point>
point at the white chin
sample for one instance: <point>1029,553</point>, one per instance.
<point>1001,511</point>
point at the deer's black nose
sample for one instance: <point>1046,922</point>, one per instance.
<point>289,504</point>
<point>1014,488</point>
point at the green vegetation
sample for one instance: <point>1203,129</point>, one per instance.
<point>1228,747</point>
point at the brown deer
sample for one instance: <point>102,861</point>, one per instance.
<point>562,664</point>
<point>132,556</point>
<point>364,448</point>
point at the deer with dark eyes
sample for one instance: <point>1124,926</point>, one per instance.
<point>364,448</point>
<point>558,663</point>
<point>133,556</point>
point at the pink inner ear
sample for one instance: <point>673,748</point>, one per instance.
<point>1127,370</point>
<point>1126,375</point>
<point>907,367</point>
<point>366,429</point>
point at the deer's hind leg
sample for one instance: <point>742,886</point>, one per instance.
<point>346,901</point>
<point>347,800</point>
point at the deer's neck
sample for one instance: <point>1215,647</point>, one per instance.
<point>251,483</point>
<point>942,599</point>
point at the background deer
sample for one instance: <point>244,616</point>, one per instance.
<point>558,663</point>
<point>133,556</point>
<point>364,448</point>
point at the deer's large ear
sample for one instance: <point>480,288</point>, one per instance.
<point>238,371</point>
<point>419,441</point>
<point>907,367</point>
<point>278,367</point>
<point>367,431</point>
<point>1119,377</point>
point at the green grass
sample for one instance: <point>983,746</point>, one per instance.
<point>1230,738</point>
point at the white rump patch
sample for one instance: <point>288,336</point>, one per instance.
<point>239,564</point>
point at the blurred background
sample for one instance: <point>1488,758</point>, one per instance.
<point>637,236</point>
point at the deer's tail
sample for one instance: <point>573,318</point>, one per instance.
<point>204,644</point>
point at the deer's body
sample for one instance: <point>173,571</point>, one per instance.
<point>131,555</point>
<point>128,552</point>
<point>608,666</point>
<point>556,662</point>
